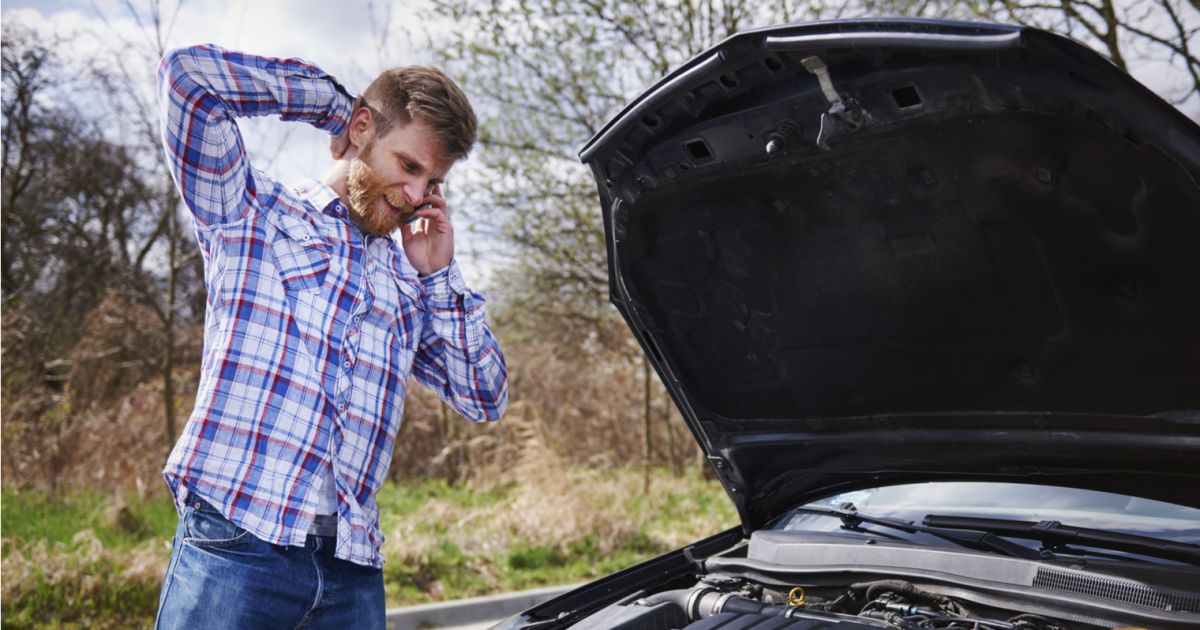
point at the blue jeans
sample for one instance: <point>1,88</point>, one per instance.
<point>221,576</point>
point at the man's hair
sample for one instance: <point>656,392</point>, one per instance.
<point>423,93</point>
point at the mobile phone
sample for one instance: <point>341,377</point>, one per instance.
<point>414,216</point>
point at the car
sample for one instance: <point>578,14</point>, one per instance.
<point>927,294</point>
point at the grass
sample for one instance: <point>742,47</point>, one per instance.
<point>83,560</point>
<point>119,525</point>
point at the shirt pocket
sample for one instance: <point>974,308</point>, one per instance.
<point>301,255</point>
<point>410,317</point>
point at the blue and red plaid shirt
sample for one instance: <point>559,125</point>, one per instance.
<point>312,327</point>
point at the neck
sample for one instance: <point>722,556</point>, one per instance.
<point>336,179</point>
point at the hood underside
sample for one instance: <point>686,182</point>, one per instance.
<point>861,253</point>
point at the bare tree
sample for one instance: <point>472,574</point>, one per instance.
<point>71,223</point>
<point>75,232</point>
<point>546,75</point>
<point>1128,32</point>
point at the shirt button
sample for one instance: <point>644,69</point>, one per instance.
<point>347,364</point>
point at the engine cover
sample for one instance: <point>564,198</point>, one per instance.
<point>740,621</point>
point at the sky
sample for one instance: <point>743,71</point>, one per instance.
<point>344,38</point>
<point>340,37</point>
<point>335,36</point>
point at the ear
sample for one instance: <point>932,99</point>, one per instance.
<point>362,127</point>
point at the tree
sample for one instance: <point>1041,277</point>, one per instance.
<point>75,238</point>
<point>546,75</point>
<point>136,109</point>
<point>1131,33</point>
<point>72,226</point>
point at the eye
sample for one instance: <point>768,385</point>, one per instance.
<point>411,167</point>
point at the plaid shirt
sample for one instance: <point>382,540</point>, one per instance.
<point>312,327</point>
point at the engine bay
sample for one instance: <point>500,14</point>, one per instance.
<point>787,580</point>
<point>722,601</point>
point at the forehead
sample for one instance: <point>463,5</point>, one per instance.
<point>417,141</point>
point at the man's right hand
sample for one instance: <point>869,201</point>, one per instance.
<point>339,144</point>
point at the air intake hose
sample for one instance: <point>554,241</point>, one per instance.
<point>699,603</point>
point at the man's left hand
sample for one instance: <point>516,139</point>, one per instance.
<point>429,239</point>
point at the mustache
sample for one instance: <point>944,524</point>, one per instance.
<point>399,202</point>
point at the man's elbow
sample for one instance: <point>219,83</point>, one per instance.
<point>180,62</point>
<point>490,409</point>
<point>173,63</point>
<point>496,411</point>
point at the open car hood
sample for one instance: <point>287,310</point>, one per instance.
<point>872,252</point>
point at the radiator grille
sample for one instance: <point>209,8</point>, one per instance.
<point>1118,590</point>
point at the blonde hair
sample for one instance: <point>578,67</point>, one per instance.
<point>426,94</point>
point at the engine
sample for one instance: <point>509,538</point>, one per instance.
<point>730,603</point>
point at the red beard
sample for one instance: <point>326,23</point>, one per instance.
<point>373,206</point>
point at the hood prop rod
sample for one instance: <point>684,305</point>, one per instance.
<point>844,113</point>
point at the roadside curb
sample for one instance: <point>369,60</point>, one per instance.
<point>466,611</point>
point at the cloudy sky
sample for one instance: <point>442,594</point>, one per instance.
<point>345,38</point>
<point>352,39</point>
<point>338,36</point>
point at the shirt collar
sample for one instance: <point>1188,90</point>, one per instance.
<point>321,196</point>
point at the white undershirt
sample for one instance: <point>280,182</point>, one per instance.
<point>326,491</point>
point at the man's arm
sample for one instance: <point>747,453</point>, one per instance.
<point>202,89</point>
<point>458,358</point>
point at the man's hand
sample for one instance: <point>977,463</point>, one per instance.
<point>338,145</point>
<point>429,239</point>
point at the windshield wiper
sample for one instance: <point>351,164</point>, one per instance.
<point>974,539</point>
<point>1055,533</point>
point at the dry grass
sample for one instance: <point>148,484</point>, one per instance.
<point>81,584</point>
<point>562,525</point>
<point>116,446</point>
<point>103,427</point>
<point>551,494</point>
<point>587,408</point>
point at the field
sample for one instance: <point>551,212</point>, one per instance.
<point>86,560</point>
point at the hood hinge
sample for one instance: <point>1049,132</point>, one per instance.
<point>732,480</point>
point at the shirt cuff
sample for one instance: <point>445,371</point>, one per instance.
<point>338,118</point>
<point>445,283</point>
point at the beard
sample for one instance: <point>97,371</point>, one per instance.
<point>369,198</point>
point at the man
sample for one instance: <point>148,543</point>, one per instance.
<point>315,319</point>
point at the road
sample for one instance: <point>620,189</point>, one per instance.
<point>477,613</point>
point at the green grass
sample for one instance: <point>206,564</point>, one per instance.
<point>408,497</point>
<point>75,561</point>
<point>57,518</point>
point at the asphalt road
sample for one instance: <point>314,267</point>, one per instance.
<point>469,614</point>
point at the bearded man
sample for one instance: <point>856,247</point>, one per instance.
<point>316,317</point>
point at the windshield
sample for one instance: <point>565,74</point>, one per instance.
<point>1022,502</point>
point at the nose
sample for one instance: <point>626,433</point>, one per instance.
<point>414,193</point>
